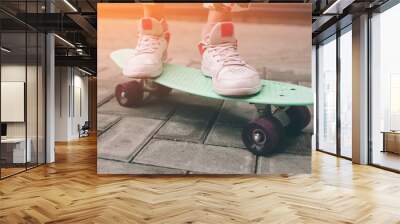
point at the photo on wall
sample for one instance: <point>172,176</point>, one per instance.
<point>204,88</point>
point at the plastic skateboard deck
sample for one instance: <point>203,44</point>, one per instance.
<point>192,81</point>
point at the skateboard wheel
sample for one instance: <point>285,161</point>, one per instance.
<point>162,91</point>
<point>300,117</point>
<point>262,135</point>
<point>129,94</point>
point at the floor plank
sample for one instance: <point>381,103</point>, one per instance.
<point>70,191</point>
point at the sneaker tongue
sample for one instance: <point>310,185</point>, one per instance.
<point>151,26</point>
<point>222,33</point>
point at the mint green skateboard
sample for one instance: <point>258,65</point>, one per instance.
<point>282,106</point>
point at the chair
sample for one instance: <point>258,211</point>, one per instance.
<point>84,130</point>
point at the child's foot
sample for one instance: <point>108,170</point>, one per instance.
<point>231,75</point>
<point>151,50</point>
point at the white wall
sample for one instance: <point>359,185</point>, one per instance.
<point>62,82</point>
<point>80,84</point>
<point>33,126</point>
<point>12,73</point>
<point>70,81</point>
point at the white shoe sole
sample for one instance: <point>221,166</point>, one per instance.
<point>238,91</point>
<point>142,75</point>
<point>235,91</point>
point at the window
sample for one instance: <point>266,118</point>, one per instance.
<point>22,88</point>
<point>327,95</point>
<point>385,89</point>
<point>346,92</point>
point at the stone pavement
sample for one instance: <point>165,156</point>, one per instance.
<point>182,133</point>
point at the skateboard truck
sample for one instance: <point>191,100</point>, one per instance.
<point>265,110</point>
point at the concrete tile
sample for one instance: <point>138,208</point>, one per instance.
<point>124,140</point>
<point>225,135</point>
<point>236,114</point>
<point>188,123</point>
<point>195,112</point>
<point>197,157</point>
<point>107,80</point>
<point>299,145</point>
<point>304,83</point>
<point>284,164</point>
<point>105,121</point>
<point>155,108</point>
<point>188,130</point>
<point>104,95</point>
<point>227,129</point>
<point>115,167</point>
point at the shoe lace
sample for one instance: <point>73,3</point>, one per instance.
<point>148,44</point>
<point>228,53</point>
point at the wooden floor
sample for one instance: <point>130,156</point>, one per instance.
<point>69,191</point>
<point>5,172</point>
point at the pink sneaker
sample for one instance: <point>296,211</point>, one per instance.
<point>151,50</point>
<point>231,75</point>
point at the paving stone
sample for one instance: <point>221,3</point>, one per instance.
<point>225,135</point>
<point>124,140</point>
<point>189,130</point>
<point>115,167</point>
<point>197,157</point>
<point>299,145</point>
<point>105,121</point>
<point>194,112</point>
<point>236,114</point>
<point>284,164</point>
<point>155,108</point>
<point>304,83</point>
<point>107,80</point>
<point>104,95</point>
<point>233,116</point>
<point>189,123</point>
